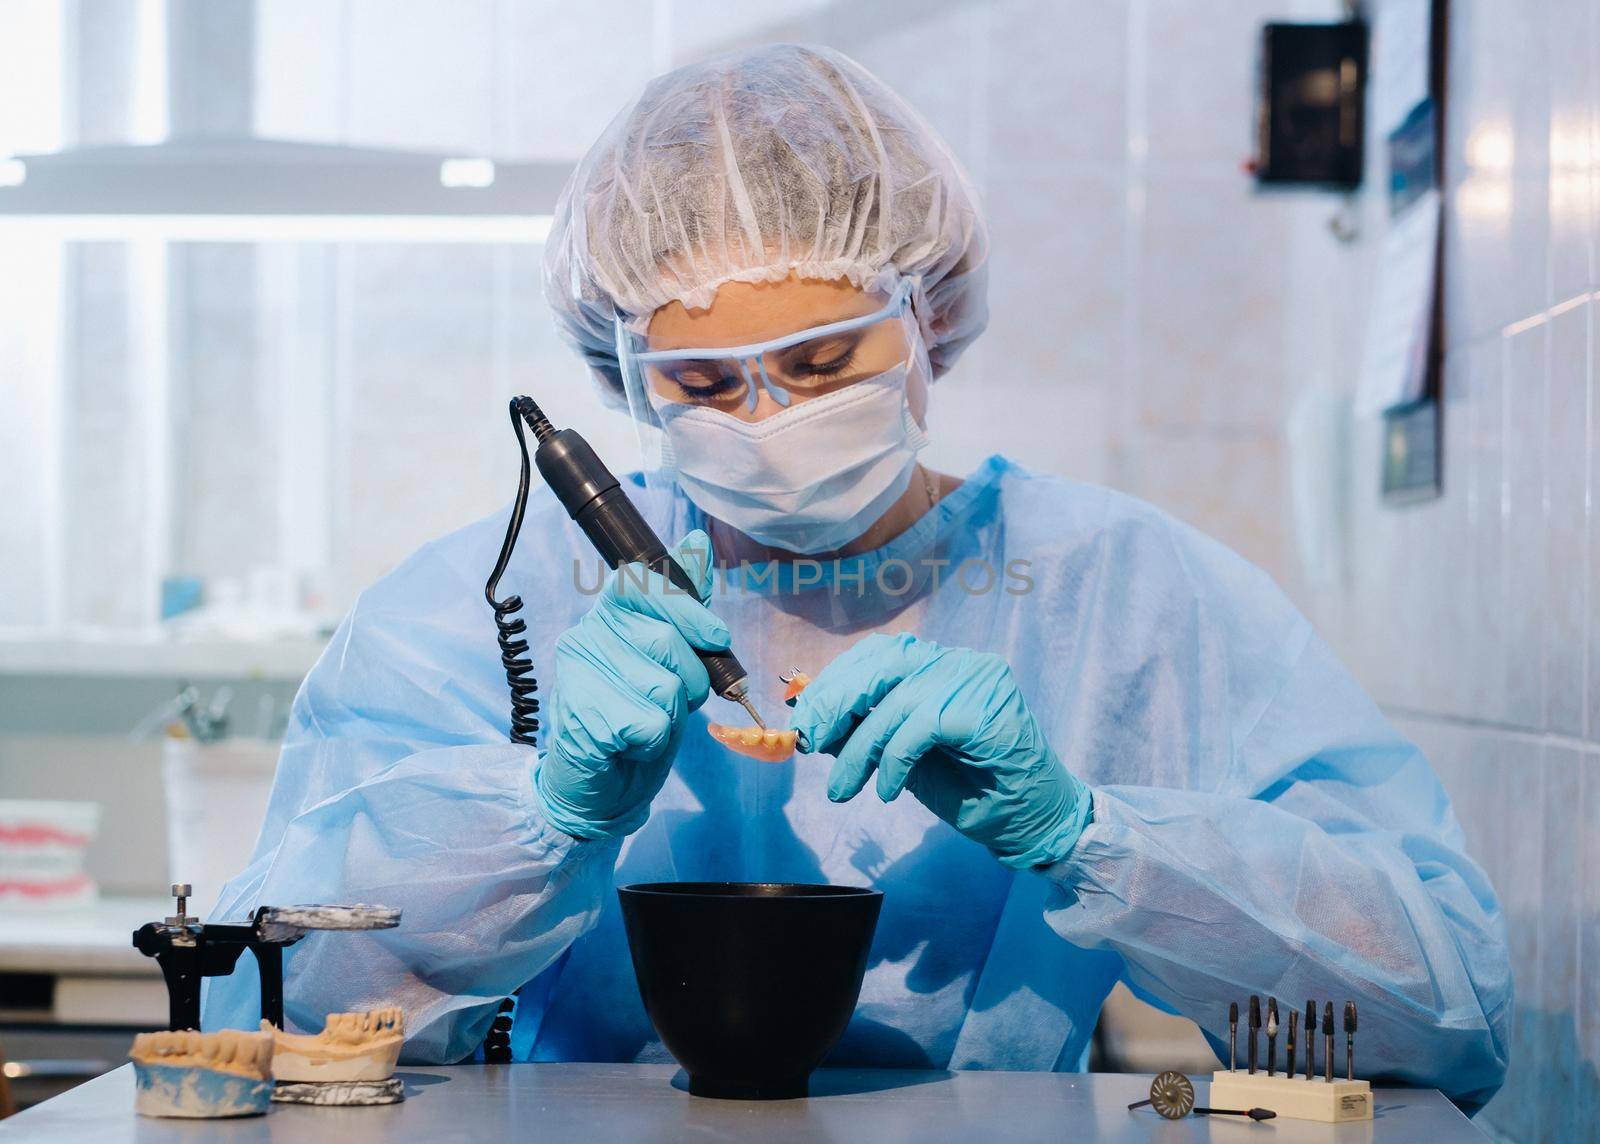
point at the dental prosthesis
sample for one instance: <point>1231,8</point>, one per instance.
<point>760,743</point>
<point>763,746</point>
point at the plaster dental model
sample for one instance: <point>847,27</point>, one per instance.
<point>350,1062</point>
<point>192,1074</point>
<point>352,1046</point>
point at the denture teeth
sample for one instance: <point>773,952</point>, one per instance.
<point>227,1049</point>
<point>359,1028</point>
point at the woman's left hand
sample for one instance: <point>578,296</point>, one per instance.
<point>949,725</point>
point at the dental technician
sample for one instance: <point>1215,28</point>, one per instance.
<point>1073,740</point>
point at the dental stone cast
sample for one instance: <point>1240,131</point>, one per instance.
<point>351,1047</point>
<point>202,1075</point>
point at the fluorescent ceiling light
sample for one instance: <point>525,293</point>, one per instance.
<point>13,172</point>
<point>466,173</point>
<point>507,229</point>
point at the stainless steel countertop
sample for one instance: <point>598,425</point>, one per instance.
<point>648,1102</point>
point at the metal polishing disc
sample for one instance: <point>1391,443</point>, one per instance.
<point>1172,1095</point>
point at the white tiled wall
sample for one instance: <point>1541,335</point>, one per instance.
<point>1472,617</point>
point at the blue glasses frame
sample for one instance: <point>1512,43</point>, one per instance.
<point>628,356</point>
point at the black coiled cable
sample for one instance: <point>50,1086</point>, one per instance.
<point>511,631</point>
<point>511,628</point>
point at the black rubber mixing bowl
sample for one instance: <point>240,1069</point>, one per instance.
<point>749,984</point>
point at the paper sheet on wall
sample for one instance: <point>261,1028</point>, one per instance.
<point>1395,366</point>
<point>1400,37</point>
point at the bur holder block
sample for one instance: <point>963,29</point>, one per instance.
<point>1329,1102</point>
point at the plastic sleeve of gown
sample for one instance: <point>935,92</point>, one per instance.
<point>397,786</point>
<point>1313,853</point>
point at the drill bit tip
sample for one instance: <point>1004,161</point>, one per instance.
<point>744,701</point>
<point>1349,1016</point>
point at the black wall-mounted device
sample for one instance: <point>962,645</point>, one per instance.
<point>1311,109</point>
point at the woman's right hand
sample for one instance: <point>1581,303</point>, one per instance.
<point>626,677</point>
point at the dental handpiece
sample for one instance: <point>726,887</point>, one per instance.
<point>594,498</point>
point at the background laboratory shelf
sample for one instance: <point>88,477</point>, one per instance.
<point>142,656</point>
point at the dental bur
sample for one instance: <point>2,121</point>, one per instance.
<point>1311,1039</point>
<point>1349,1040</point>
<point>1327,1033</point>
<point>1272,1036</point>
<point>1287,1094</point>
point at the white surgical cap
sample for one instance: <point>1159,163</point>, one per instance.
<point>745,168</point>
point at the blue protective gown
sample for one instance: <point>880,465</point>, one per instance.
<point>1258,826</point>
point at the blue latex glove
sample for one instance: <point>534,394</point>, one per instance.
<point>626,677</point>
<point>949,725</point>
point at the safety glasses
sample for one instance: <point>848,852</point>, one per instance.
<point>803,364</point>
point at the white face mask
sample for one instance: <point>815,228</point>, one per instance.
<point>809,479</point>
